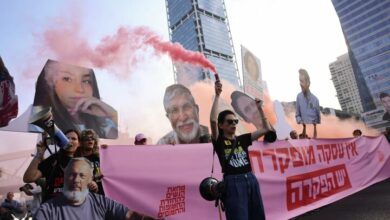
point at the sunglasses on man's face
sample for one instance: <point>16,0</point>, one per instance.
<point>231,121</point>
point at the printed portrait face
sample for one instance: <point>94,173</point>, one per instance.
<point>71,83</point>
<point>73,95</point>
<point>249,108</point>
<point>246,107</point>
<point>386,103</point>
<point>251,66</point>
<point>304,83</point>
<point>184,117</point>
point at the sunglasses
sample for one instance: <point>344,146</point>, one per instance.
<point>87,138</point>
<point>231,121</point>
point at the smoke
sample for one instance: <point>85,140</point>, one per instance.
<point>131,47</point>
<point>203,93</point>
<point>330,127</point>
<point>268,108</point>
<point>333,127</point>
<point>177,52</point>
<point>119,53</point>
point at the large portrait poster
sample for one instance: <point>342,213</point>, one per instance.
<point>72,93</point>
<point>251,71</point>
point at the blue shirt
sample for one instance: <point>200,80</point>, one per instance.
<point>95,207</point>
<point>308,109</point>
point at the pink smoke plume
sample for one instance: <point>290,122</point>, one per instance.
<point>120,52</point>
<point>178,53</point>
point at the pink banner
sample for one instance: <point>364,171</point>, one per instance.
<point>295,176</point>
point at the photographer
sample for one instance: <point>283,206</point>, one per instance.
<point>52,167</point>
<point>241,196</point>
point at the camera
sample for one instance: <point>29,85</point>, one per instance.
<point>27,185</point>
<point>211,189</point>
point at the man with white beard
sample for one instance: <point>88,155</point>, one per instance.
<point>183,113</point>
<point>77,203</point>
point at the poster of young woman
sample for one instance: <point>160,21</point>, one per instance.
<point>73,94</point>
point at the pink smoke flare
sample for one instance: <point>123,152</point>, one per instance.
<point>120,52</point>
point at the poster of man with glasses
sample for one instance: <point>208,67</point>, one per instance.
<point>183,114</point>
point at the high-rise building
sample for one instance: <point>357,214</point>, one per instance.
<point>345,83</point>
<point>366,30</point>
<point>202,25</point>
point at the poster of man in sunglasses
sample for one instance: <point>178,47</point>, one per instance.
<point>183,114</point>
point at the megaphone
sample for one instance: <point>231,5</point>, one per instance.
<point>211,189</point>
<point>270,136</point>
<point>44,120</point>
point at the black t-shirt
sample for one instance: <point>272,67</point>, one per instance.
<point>52,168</point>
<point>95,160</point>
<point>239,162</point>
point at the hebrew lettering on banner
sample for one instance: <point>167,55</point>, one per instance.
<point>294,177</point>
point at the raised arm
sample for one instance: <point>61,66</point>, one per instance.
<point>214,111</point>
<point>32,173</point>
<point>266,126</point>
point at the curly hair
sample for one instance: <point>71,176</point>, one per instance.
<point>81,151</point>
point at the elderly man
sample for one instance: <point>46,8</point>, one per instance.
<point>77,202</point>
<point>183,113</point>
<point>308,106</point>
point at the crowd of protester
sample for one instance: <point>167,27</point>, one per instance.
<point>69,181</point>
<point>67,178</point>
<point>72,176</point>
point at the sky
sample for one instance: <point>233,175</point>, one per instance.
<point>285,35</point>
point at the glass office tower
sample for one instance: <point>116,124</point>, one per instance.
<point>366,27</point>
<point>202,25</point>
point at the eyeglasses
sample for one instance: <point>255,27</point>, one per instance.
<point>231,121</point>
<point>185,109</point>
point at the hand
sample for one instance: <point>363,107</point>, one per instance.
<point>94,106</point>
<point>93,187</point>
<point>41,148</point>
<point>218,87</point>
